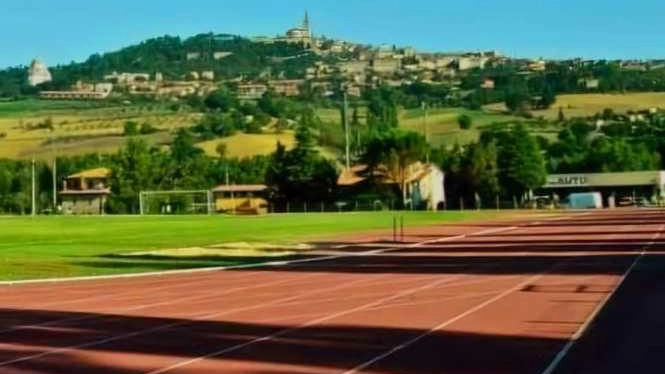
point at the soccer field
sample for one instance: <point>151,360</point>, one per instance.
<point>46,247</point>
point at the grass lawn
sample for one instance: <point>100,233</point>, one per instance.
<point>46,247</point>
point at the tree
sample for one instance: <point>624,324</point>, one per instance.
<point>301,173</point>
<point>382,110</point>
<point>521,163</point>
<point>130,128</point>
<point>482,174</point>
<point>221,149</point>
<point>517,101</point>
<point>134,170</point>
<point>221,100</point>
<point>548,97</point>
<point>465,121</point>
<point>396,150</point>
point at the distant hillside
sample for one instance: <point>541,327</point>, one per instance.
<point>169,55</point>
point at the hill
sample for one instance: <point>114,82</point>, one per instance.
<point>229,56</point>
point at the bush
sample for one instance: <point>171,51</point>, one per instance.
<point>130,128</point>
<point>147,128</point>
<point>465,121</point>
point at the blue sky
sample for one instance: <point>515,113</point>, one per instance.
<point>65,30</point>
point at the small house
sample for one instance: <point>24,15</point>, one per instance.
<point>424,183</point>
<point>85,192</point>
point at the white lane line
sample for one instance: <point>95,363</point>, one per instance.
<point>151,289</point>
<point>272,263</point>
<point>554,364</point>
<point>448,322</point>
<point>328,317</point>
<point>93,316</point>
<point>202,317</point>
<point>218,314</point>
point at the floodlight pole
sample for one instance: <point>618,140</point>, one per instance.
<point>55,184</point>
<point>34,192</point>
<point>426,126</point>
<point>346,130</point>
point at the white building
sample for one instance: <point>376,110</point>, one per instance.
<point>38,73</point>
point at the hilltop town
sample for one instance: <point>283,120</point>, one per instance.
<point>289,64</point>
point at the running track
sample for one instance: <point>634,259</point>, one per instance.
<point>530,297</point>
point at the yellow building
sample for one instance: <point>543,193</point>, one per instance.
<point>241,199</point>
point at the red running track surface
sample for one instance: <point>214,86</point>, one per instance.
<point>468,298</point>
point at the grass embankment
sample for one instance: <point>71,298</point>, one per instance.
<point>47,247</point>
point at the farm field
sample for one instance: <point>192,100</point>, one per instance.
<point>47,247</point>
<point>40,129</point>
<point>247,145</point>
<point>443,127</point>
<point>582,105</point>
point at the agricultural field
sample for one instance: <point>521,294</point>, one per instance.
<point>59,246</point>
<point>583,105</point>
<point>443,128</point>
<point>247,145</point>
<point>41,129</point>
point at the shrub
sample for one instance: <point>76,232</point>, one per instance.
<point>465,121</point>
<point>147,128</point>
<point>131,128</point>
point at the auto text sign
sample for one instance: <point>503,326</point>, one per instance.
<point>567,180</point>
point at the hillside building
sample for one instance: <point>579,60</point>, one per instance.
<point>251,91</point>
<point>80,91</point>
<point>287,87</point>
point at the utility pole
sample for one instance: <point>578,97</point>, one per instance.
<point>55,184</point>
<point>345,119</point>
<point>426,126</point>
<point>34,192</point>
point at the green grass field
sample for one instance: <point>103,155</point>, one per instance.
<point>46,247</point>
<point>443,127</point>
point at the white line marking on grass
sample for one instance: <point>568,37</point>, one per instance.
<point>558,359</point>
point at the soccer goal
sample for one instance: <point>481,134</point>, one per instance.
<point>175,202</point>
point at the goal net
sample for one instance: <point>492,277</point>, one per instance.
<point>175,202</point>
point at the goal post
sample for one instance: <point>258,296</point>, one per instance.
<point>175,202</point>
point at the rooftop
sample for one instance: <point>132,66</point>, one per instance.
<point>241,188</point>
<point>92,174</point>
